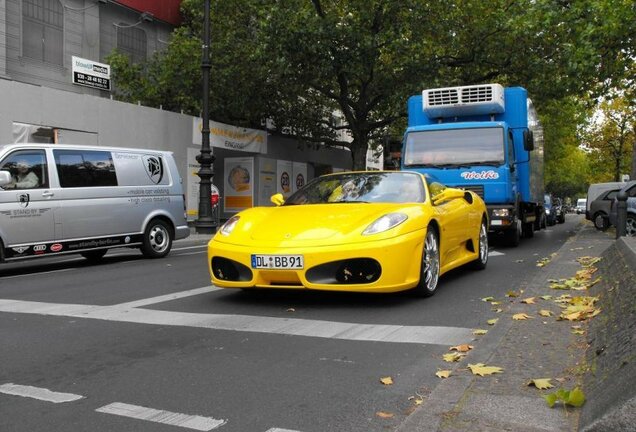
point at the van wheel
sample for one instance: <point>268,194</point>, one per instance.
<point>429,271</point>
<point>95,255</point>
<point>157,239</point>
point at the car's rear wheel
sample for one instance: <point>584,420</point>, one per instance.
<point>601,222</point>
<point>157,239</point>
<point>94,255</point>
<point>429,270</point>
<point>630,226</point>
<point>482,259</point>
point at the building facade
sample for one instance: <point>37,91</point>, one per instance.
<point>46,47</point>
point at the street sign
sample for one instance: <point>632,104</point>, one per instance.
<point>91,74</point>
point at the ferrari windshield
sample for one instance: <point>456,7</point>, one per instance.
<point>369,187</point>
<point>454,147</point>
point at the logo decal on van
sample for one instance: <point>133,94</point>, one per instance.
<point>21,249</point>
<point>56,247</point>
<point>24,200</point>
<point>154,168</point>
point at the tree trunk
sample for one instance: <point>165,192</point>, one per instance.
<point>359,155</point>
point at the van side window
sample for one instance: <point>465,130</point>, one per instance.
<point>85,168</point>
<point>28,169</point>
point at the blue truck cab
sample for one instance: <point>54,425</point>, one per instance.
<point>483,138</point>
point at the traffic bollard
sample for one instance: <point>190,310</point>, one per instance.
<point>621,214</point>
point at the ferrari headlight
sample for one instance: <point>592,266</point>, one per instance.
<point>384,223</point>
<point>228,226</point>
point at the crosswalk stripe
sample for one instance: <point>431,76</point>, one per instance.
<point>435,335</point>
<point>38,393</point>
<point>160,416</point>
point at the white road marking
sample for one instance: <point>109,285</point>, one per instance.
<point>168,297</point>
<point>257,324</point>
<point>495,253</point>
<point>205,246</point>
<point>280,430</point>
<point>38,393</point>
<point>39,273</point>
<point>159,416</point>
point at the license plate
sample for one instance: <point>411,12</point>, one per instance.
<point>277,262</point>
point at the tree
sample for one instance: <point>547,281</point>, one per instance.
<point>611,139</point>
<point>299,62</point>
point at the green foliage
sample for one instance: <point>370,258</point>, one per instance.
<point>298,62</point>
<point>574,397</point>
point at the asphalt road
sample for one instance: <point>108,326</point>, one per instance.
<point>148,345</point>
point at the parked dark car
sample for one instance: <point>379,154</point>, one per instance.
<point>559,210</point>
<point>600,209</point>
<point>550,213</point>
<point>630,189</point>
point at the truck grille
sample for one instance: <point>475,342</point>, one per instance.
<point>477,94</point>
<point>443,97</point>
<point>478,189</point>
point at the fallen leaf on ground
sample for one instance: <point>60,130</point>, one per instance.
<point>479,332</point>
<point>487,299</point>
<point>543,262</point>
<point>587,261</point>
<point>492,321</point>
<point>574,397</point>
<point>520,316</point>
<point>541,383</point>
<point>512,294</point>
<point>497,310</point>
<point>384,414</point>
<point>443,373</point>
<point>545,313</point>
<point>529,300</point>
<point>453,357</point>
<point>462,348</point>
<point>386,380</point>
<point>482,370</point>
<point>546,297</point>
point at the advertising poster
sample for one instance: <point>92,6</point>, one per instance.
<point>231,137</point>
<point>239,183</point>
<point>192,184</point>
<point>299,175</point>
<point>284,173</point>
<point>267,181</point>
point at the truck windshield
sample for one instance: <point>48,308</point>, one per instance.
<point>453,147</point>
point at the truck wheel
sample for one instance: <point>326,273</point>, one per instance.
<point>630,226</point>
<point>429,271</point>
<point>482,249</point>
<point>157,239</point>
<point>94,255</point>
<point>601,222</point>
<point>528,230</point>
<point>513,236</point>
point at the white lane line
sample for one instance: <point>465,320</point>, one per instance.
<point>38,393</point>
<point>280,430</point>
<point>495,253</point>
<point>257,324</point>
<point>205,246</point>
<point>39,273</point>
<point>168,297</point>
<point>159,416</point>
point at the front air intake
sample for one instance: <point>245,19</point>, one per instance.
<point>463,101</point>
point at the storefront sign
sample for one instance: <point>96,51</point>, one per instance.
<point>88,73</point>
<point>231,137</point>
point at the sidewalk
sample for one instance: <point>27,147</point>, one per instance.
<point>540,347</point>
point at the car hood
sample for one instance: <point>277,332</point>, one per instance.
<point>316,224</point>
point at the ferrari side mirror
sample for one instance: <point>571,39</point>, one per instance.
<point>278,199</point>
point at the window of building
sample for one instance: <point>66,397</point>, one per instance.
<point>42,30</point>
<point>85,168</point>
<point>132,42</point>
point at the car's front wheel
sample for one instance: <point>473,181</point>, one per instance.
<point>482,259</point>
<point>429,270</point>
<point>630,226</point>
<point>157,239</point>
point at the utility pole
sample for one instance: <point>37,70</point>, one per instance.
<point>205,223</point>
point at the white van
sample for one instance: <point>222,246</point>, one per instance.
<point>581,204</point>
<point>59,199</point>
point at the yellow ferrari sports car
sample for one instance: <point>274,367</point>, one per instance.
<point>373,231</point>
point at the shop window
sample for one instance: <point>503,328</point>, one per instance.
<point>43,30</point>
